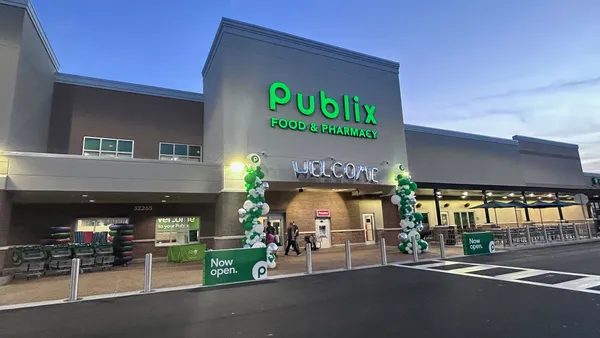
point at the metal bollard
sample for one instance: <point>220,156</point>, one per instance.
<point>528,234</point>
<point>348,255</point>
<point>383,251</point>
<point>576,228</point>
<point>414,249</point>
<point>308,259</point>
<point>509,236</point>
<point>545,233</point>
<point>148,273</point>
<point>589,230</point>
<point>561,233</point>
<point>75,264</point>
<point>442,247</point>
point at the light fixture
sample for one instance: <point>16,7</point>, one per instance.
<point>92,201</point>
<point>550,195</point>
<point>163,201</point>
<point>463,197</point>
<point>505,197</point>
<point>167,196</point>
<point>522,197</point>
<point>84,195</point>
<point>439,193</point>
<point>531,194</point>
<point>539,197</point>
<point>489,194</point>
<point>465,193</point>
<point>236,167</point>
<point>511,194</point>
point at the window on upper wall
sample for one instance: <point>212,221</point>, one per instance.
<point>107,147</point>
<point>179,152</point>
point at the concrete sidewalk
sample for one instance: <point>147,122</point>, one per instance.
<point>131,278</point>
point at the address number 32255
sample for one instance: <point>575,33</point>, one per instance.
<point>142,208</point>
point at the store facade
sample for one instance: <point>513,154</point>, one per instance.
<point>326,122</point>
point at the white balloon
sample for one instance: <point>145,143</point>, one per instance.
<point>248,205</point>
<point>253,192</point>
<point>259,244</point>
<point>241,220</point>
<point>395,199</point>
<point>260,191</point>
<point>257,228</point>
<point>273,247</point>
<point>265,209</point>
<point>258,181</point>
<point>271,265</point>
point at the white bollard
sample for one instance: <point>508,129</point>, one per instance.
<point>442,247</point>
<point>348,255</point>
<point>414,249</point>
<point>309,269</point>
<point>75,264</point>
<point>383,251</point>
<point>148,273</point>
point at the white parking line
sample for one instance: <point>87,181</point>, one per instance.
<point>581,283</point>
<point>520,275</point>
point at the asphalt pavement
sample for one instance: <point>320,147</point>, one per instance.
<point>378,302</point>
<point>577,258</point>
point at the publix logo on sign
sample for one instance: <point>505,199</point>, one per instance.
<point>347,108</point>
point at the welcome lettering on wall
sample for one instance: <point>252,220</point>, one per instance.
<point>336,170</point>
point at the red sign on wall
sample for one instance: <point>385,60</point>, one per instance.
<point>323,213</point>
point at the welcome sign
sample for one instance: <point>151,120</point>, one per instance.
<point>348,108</point>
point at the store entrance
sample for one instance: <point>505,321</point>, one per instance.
<point>278,222</point>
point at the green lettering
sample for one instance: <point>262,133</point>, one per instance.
<point>346,108</point>
<point>327,101</point>
<point>338,131</point>
<point>354,132</point>
<point>370,114</point>
<point>324,128</point>
<point>274,100</point>
<point>356,109</point>
<point>362,133</point>
<point>273,122</point>
<point>346,131</point>
<point>311,104</point>
<point>368,133</point>
<point>301,125</point>
<point>374,133</point>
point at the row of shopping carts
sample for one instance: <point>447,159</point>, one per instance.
<point>38,260</point>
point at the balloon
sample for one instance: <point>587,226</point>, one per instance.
<point>259,204</point>
<point>403,237</point>
<point>413,186</point>
<point>260,174</point>
<point>418,216</point>
<point>248,205</point>
<point>258,244</point>
<point>246,246</point>
<point>250,178</point>
<point>265,209</point>
<point>273,247</point>
<point>420,227</point>
<point>253,160</point>
<point>253,192</point>
<point>271,265</point>
<point>257,228</point>
<point>395,199</point>
<point>266,185</point>
<point>242,212</point>
<point>260,191</point>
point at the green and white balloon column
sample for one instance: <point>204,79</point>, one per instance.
<point>254,207</point>
<point>411,222</point>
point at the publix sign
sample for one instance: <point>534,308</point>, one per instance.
<point>347,108</point>
<point>234,265</point>
<point>477,243</point>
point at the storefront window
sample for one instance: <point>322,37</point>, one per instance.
<point>107,147</point>
<point>177,230</point>
<point>95,230</point>
<point>180,152</point>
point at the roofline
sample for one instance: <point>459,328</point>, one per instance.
<point>91,82</point>
<point>319,47</point>
<point>542,141</point>
<point>28,7</point>
<point>452,133</point>
<point>589,174</point>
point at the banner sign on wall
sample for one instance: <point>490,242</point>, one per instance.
<point>347,108</point>
<point>337,170</point>
<point>170,224</point>
<point>234,265</point>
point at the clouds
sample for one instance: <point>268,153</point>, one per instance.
<point>563,110</point>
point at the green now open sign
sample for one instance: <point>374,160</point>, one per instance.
<point>234,265</point>
<point>478,243</point>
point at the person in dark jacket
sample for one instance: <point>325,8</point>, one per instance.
<point>292,235</point>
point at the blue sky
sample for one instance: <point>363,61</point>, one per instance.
<point>494,67</point>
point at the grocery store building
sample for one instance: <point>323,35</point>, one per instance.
<point>327,123</point>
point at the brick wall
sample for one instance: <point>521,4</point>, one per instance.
<point>300,208</point>
<point>391,218</point>
<point>338,238</point>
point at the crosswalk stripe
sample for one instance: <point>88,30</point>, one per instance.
<point>521,274</point>
<point>581,283</point>
<point>471,269</point>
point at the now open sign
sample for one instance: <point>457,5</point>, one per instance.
<point>478,243</point>
<point>234,265</point>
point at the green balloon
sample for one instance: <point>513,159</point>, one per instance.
<point>418,216</point>
<point>406,191</point>
<point>250,178</point>
<point>413,186</point>
<point>398,178</point>
<point>404,181</point>
<point>260,174</point>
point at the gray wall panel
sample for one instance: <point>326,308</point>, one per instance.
<point>33,94</point>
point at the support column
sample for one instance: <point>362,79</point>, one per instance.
<point>438,213</point>
<point>487,211</point>
<point>5,214</point>
<point>560,213</point>
<point>228,230</point>
<point>526,209</point>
